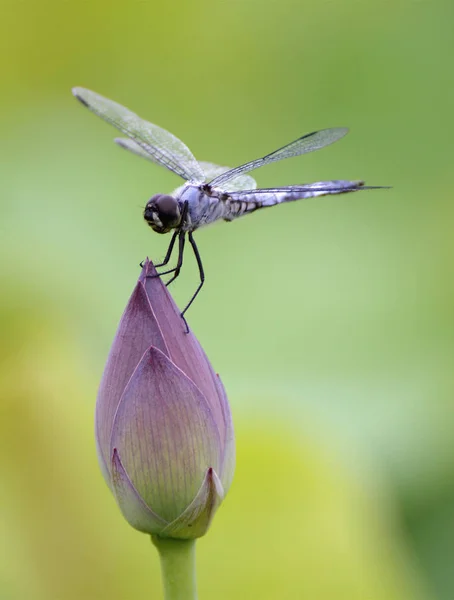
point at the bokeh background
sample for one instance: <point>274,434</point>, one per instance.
<point>330,321</point>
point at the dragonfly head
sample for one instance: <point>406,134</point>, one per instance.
<point>162,213</point>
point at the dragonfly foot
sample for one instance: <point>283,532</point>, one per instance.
<point>185,324</point>
<point>154,275</point>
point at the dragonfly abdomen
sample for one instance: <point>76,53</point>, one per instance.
<point>271,196</point>
<point>237,208</point>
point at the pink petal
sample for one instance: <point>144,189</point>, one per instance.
<point>138,329</point>
<point>228,459</point>
<point>184,349</point>
<point>166,434</point>
<point>134,509</point>
<point>196,519</point>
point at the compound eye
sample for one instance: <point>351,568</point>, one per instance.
<point>168,210</point>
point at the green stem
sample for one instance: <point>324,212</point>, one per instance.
<point>177,567</point>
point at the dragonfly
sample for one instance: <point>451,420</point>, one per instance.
<point>210,192</point>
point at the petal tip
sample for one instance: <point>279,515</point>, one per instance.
<point>196,519</point>
<point>148,269</point>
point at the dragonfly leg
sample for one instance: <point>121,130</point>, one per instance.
<point>177,269</point>
<point>201,272</point>
<point>169,251</point>
<point>167,258</point>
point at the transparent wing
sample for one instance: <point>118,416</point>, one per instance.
<point>135,148</point>
<point>240,182</point>
<point>303,145</point>
<point>210,170</point>
<point>162,147</point>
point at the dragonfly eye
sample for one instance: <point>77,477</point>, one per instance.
<point>162,213</point>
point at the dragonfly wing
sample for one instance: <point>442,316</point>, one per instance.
<point>134,147</point>
<point>211,170</point>
<point>162,147</point>
<point>246,201</point>
<point>241,182</point>
<point>303,145</point>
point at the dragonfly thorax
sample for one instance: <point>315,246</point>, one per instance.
<point>162,213</point>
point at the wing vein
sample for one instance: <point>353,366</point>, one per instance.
<point>164,148</point>
<point>306,143</point>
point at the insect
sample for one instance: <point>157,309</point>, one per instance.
<point>210,192</point>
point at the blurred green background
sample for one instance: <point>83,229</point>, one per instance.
<point>330,321</point>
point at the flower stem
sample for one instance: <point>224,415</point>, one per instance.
<point>177,567</point>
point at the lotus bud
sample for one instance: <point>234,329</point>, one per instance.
<point>164,429</point>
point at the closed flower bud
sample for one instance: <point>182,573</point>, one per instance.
<point>163,425</point>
